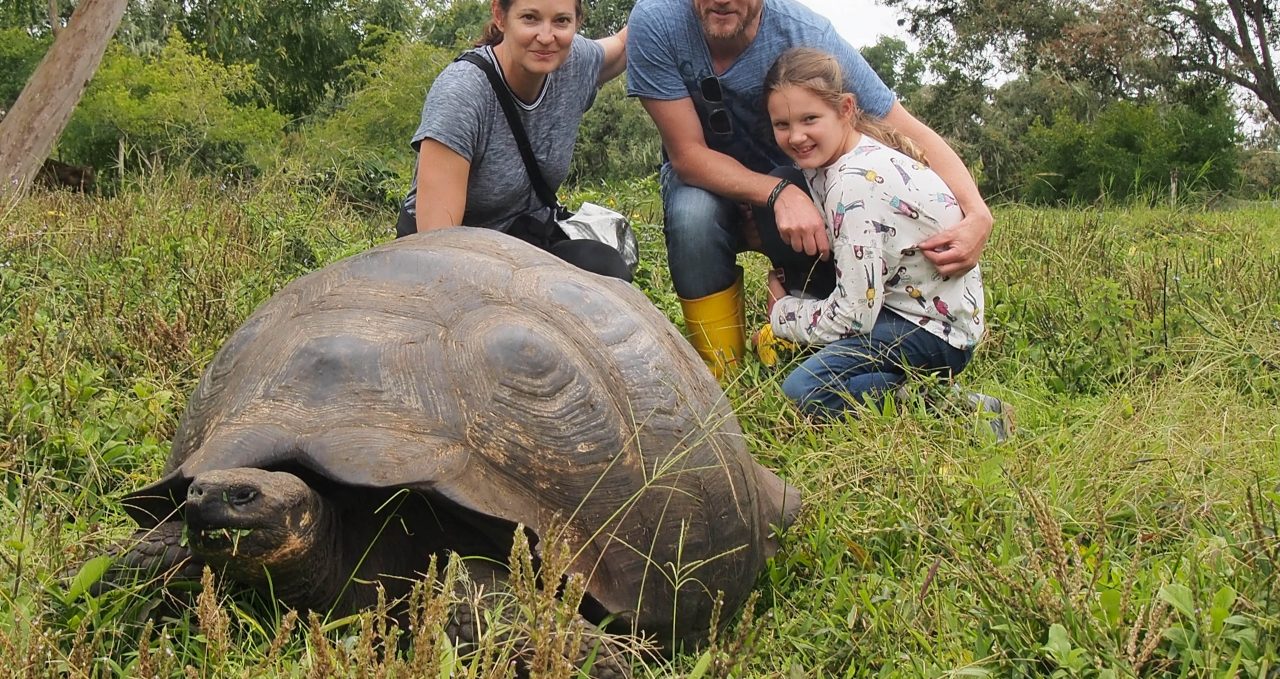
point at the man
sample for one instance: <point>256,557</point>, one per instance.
<point>698,67</point>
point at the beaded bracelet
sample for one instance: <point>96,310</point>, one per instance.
<point>777,190</point>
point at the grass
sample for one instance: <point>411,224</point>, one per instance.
<point>1130,528</point>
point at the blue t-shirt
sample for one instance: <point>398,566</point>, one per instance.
<point>668,59</point>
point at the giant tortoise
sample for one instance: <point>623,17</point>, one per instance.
<point>467,383</point>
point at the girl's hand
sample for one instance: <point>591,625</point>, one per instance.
<point>776,289</point>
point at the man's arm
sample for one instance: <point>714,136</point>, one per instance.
<point>799,222</point>
<point>615,56</point>
<point>957,249</point>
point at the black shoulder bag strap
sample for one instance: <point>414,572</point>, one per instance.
<point>517,130</point>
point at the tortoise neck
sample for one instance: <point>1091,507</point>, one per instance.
<point>314,580</point>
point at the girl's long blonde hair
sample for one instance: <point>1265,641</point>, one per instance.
<point>819,73</point>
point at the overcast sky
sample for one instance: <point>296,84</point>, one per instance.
<point>861,22</point>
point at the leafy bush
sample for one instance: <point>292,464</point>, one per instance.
<point>177,106</point>
<point>617,140</point>
<point>1132,151</point>
<point>19,55</point>
<point>1260,173</point>
<point>363,147</point>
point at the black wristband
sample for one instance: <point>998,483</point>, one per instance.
<point>777,191</point>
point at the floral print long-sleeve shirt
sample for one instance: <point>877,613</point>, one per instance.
<point>877,204</point>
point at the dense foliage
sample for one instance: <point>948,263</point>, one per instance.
<point>174,106</point>
<point>19,54</point>
<point>349,77</point>
<point>1130,150</point>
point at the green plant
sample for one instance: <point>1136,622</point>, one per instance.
<point>174,107</point>
<point>1129,529</point>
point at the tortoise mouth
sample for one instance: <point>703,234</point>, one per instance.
<point>222,540</point>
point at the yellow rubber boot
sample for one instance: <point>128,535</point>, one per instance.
<point>717,327</point>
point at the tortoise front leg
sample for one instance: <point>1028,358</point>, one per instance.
<point>158,553</point>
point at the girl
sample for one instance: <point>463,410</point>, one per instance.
<point>888,310</point>
<point>469,167</point>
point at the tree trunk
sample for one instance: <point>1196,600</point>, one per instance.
<point>28,132</point>
<point>55,21</point>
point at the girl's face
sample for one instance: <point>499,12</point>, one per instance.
<point>808,129</point>
<point>538,33</point>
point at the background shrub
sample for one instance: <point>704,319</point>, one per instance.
<point>176,106</point>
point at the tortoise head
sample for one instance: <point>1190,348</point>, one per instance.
<point>254,521</point>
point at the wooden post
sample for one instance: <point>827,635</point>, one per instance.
<point>32,126</point>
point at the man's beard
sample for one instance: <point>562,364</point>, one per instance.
<point>734,31</point>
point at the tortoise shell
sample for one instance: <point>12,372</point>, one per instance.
<point>482,372</point>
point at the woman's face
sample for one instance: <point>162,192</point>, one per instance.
<point>538,33</point>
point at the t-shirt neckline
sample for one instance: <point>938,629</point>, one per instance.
<point>542,92</point>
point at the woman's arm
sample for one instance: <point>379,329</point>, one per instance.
<point>615,56</point>
<point>442,186</point>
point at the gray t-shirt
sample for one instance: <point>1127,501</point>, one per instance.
<point>667,59</point>
<point>462,112</point>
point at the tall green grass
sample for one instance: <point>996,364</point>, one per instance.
<point>1128,529</point>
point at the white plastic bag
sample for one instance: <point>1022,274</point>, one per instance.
<point>599,223</point>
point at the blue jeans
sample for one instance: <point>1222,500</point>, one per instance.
<point>866,367</point>
<point>704,236</point>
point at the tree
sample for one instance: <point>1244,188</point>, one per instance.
<point>1126,48</point>
<point>1239,45</point>
<point>605,17</point>
<point>29,131</point>
<point>455,23</point>
<point>900,68</point>
<point>298,46</point>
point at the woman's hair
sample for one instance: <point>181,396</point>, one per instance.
<point>493,35</point>
<point>819,72</point>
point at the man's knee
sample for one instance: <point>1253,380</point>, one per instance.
<point>691,212</point>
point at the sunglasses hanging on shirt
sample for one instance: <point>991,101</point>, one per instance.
<point>717,115</point>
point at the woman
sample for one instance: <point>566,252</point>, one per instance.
<point>469,167</point>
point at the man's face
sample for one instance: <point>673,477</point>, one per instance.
<point>726,19</point>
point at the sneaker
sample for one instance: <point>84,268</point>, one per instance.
<point>996,413</point>
<point>769,346</point>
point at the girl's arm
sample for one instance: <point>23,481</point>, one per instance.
<point>615,56</point>
<point>853,306</point>
<point>442,186</point>
<point>957,249</point>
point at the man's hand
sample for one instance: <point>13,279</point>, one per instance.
<point>800,224</point>
<point>955,251</point>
